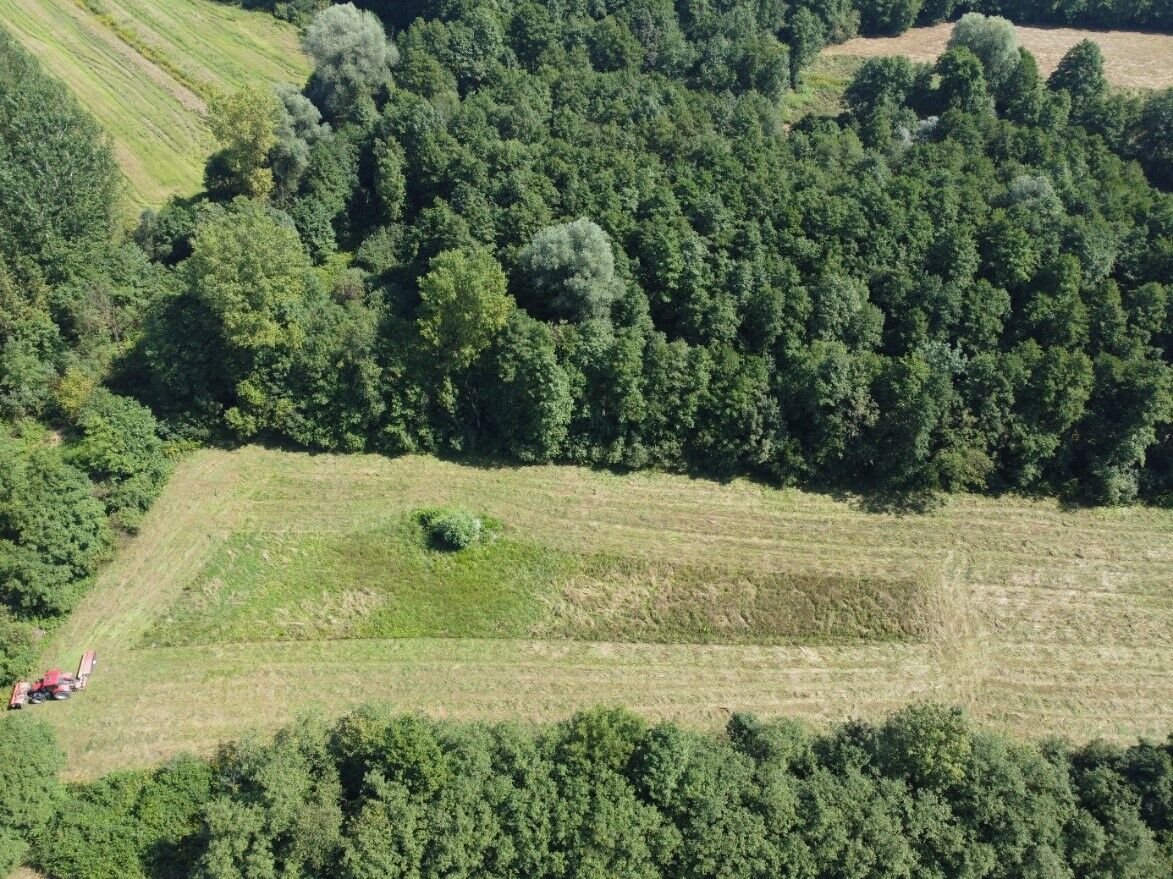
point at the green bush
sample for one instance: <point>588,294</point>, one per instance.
<point>120,449</point>
<point>94,834</point>
<point>129,824</point>
<point>16,647</point>
<point>53,532</point>
<point>451,530</point>
<point>29,790</point>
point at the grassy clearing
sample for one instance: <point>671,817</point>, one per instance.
<point>1131,60</point>
<point>1040,620</point>
<point>823,85</point>
<point>144,68</point>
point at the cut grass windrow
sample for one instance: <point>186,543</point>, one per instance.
<point>131,37</point>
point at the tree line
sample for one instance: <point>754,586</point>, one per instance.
<point>891,17</point>
<point>78,463</point>
<point>376,795</point>
<point>833,20</point>
<point>543,231</point>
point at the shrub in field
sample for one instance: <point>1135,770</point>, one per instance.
<point>452,530</point>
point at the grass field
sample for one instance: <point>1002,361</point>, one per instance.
<point>379,579</point>
<point>823,84</point>
<point>266,583</point>
<point>1131,60</point>
<point>144,69</point>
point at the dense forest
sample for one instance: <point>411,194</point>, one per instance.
<point>375,795</point>
<point>582,233</point>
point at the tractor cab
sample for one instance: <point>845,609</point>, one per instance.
<point>54,685</point>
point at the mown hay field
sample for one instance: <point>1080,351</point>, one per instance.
<point>1131,60</point>
<point>267,583</point>
<point>144,69</point>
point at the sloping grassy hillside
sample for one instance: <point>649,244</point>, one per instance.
<point>145,70</point>
<point>235,605</point>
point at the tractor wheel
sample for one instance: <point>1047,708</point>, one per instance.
<point>62,695</point>
<point>36,700</point>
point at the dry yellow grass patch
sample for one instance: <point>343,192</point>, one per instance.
<point>1131,60</point>
<point>1048,621</point>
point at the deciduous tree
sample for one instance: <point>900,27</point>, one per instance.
<point>352,61</point>
<point>463,305</point>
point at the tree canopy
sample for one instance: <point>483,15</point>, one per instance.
<point>352,58</point>
<point>925,792</point>
<point>885,300</point>
<point>77,461</point>
<point>571,269</point>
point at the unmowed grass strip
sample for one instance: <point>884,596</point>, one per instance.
<point>387,582</point>
<point>613,599</point>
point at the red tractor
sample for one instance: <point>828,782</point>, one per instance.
<point>55,684</point>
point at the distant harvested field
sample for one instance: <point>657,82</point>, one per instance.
<point>1042,621</point>
<point>145,70</point>
<point>1132,60</point>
